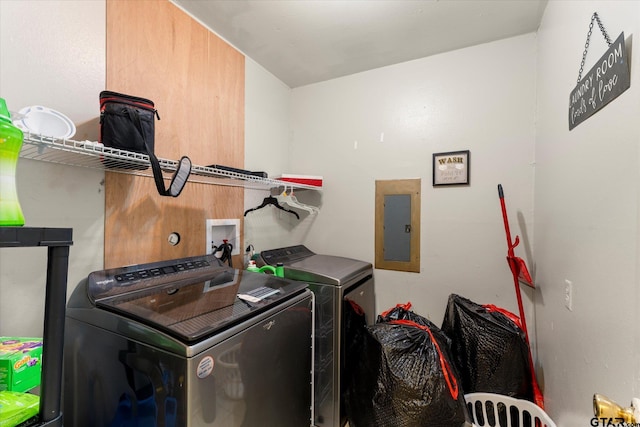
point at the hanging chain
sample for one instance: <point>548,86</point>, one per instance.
<point>586,45</point>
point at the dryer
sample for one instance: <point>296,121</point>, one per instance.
<point>332,279</point>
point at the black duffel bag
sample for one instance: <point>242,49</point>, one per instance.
<point>128,123</point>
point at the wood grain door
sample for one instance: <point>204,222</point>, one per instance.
<point>196,80</point>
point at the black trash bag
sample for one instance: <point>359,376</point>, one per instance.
<point>403,312</point>
<point>403,379</point>
<point>489,349</point>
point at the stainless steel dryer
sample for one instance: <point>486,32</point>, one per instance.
<point>179,344</point>
<point>332,279</point>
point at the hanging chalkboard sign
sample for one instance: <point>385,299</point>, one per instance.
<point>608,78</point>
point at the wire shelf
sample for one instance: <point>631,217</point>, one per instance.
<point>89,154</point>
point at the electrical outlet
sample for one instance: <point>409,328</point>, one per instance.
<point>568,294</point>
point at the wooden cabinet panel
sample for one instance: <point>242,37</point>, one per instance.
<point>196,80</point>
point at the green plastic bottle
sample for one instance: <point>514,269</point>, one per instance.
<point>280,269</point>
<point>11,139</point>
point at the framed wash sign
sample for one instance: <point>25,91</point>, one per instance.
<point>451,168</point>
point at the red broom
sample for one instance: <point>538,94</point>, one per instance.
<point>520,275</point>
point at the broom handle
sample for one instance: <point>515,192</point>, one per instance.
<point>516,282</point>
<point>511,261</point>
<point>505,219</point>
<point>537,394</point>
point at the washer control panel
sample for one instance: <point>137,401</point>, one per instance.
<point>285,255</point>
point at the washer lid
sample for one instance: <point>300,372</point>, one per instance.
<point>327,269</point>
<point>190,298</point>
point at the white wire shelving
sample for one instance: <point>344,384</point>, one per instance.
<point>92,155</point>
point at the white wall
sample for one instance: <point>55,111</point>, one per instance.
<point>267,141</point>
<point>586,218</point>
<point>481,99</point>
<point>52,53</point>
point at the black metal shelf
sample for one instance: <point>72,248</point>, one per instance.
<point>57,241</point>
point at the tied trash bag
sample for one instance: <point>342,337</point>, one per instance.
<point>403,312</point>
<point>403,377</point>
<point>490,350</point>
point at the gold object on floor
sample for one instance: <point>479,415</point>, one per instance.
<point>603,407</point>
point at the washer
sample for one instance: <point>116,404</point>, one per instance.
<point>175,344</point>
<point>332,279</point>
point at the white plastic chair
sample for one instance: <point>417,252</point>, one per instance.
<point>489,409</point>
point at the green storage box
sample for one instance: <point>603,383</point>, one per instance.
<point>20,363</point>
<point>16,408</point>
